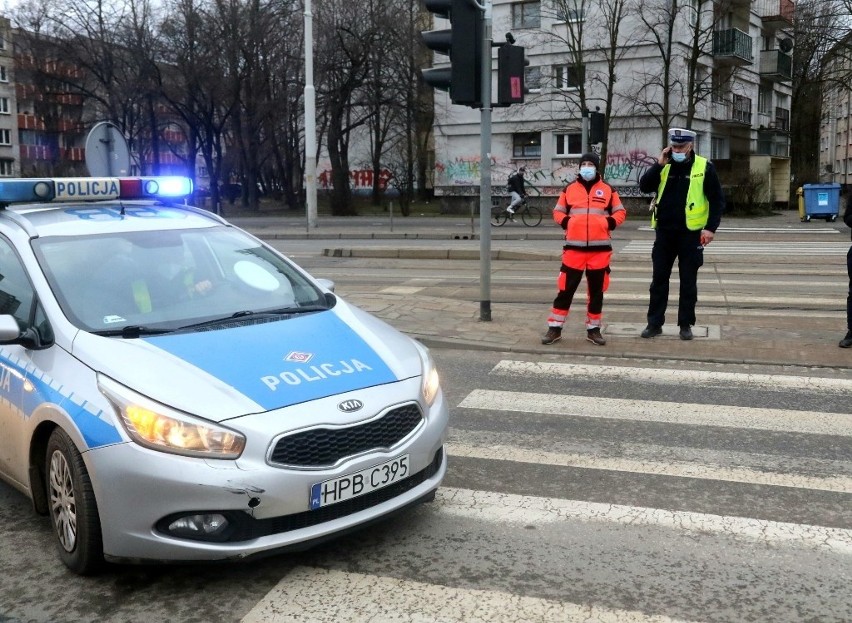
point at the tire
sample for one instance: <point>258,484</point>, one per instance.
<point>499,217</point>
<point>72,506</point>
<point>531,216</point>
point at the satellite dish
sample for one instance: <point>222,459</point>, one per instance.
<point>786,44</point>
<point>106,151</point>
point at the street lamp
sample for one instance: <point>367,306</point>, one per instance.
<point>310,124</point>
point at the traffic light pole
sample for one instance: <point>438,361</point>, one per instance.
<point>485,173</point>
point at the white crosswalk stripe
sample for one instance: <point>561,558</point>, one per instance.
<point>329,596</point>
<point>735,247</point>
<point>811,422</point>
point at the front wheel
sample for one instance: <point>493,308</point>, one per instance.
<point>499,217</point>
<point>73,508</point>
<point>531,216</point>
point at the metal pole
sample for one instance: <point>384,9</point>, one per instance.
<point>585,138</point>
<point>310,123</point>
<point>485,172</point>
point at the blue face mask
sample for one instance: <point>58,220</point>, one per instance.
<point>678,157</point>
<point>588,173</point>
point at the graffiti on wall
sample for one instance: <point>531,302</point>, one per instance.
<point>360,180</point>
<point>461,175</point>
<point>627,167</point>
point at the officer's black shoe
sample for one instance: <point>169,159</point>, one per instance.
<point>685,332</point>
<point>846,342</point>
<point>554,334</point>
<point>651,331</point>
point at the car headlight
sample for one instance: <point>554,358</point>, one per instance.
<point>431,384</point>
<point>159,427</point>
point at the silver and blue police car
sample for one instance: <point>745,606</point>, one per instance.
<point>172,389</point>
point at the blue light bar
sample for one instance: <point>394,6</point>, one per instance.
<point>92,188</point>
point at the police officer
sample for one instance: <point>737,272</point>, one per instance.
<point>588,210</point>
<point>846,342</point>
<point>689,205</point>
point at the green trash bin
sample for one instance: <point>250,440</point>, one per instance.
<point>821,201</point>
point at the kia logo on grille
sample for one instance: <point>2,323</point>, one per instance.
<point>348,406</point>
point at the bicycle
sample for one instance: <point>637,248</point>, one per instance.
<point>530,215</point>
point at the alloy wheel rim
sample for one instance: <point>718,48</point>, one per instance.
<point>63,506</point>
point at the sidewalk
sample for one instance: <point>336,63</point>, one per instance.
<point>721,338</point>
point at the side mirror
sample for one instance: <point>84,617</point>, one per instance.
<point>9,330</point>
<point>10,333</point>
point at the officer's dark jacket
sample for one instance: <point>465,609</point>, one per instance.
<point>847,215</point>
<point>671,207</point>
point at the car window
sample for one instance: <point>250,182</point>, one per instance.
<point>168,279</point>
<point>16,293</point>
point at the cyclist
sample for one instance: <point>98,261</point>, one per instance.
<point>517,190</point>
<point>588,210</point>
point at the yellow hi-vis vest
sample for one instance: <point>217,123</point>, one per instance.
<point>697,206</point>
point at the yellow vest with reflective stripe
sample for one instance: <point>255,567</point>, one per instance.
<point>697,206</point>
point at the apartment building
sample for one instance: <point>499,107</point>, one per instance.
<point>739,82</point>
<point>9,161</point>
<point>835,154</point>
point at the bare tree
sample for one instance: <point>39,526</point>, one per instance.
<point>344,46</point>
<point>819,26</point>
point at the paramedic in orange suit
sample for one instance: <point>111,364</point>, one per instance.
<point>588,210</point>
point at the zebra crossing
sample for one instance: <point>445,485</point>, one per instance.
<point>600,492</point>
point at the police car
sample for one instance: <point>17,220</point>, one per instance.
<point>172,389</point>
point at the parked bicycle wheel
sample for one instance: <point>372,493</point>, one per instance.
<point>531,216</point>
<point>499,216</point>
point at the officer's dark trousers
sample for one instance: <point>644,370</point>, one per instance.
<point>849,296</point>
<point>685,247</point>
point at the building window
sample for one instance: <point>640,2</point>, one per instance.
<point>569,144</point>
<point>2,42</point>
<point>764,101</point>
<point>569,77</point>
<point>532,77</point>
<point>719,148</point>
<point>3,76</point>
<point>569,11</point>
<point>526,15</point>
<point>4,105</point>
<point>5,137</point>
<point>6,168</point>
<point>526,145</point>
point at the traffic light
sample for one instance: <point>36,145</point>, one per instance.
<point>463,43</point>
<point>510,74</point>
<point>597,127</point>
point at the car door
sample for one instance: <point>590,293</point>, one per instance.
<point>17,298</point>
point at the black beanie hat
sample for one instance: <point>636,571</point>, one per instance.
<point>591,157</point>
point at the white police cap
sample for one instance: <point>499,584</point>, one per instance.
<point>679,136</point>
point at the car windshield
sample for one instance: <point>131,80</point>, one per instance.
<point>132,283</point>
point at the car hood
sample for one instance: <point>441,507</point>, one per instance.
<point>253,367</point>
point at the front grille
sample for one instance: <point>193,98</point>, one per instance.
<point>250,528</point>
<point>323,447</point>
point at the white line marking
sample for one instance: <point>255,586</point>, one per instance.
<point>808,422</point>
<point>330,596</point>
<point>487,506</point>
<point>774,382</point>
<point>681,469</point>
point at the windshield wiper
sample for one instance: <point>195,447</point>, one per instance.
<point>248,313</point>
<point>132,331</point>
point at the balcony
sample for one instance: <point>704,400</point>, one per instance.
<point>732,46</point>
<point>774,145</point>
<point>775,14</point>
<point>735,111</point>
<point>775,65</point>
